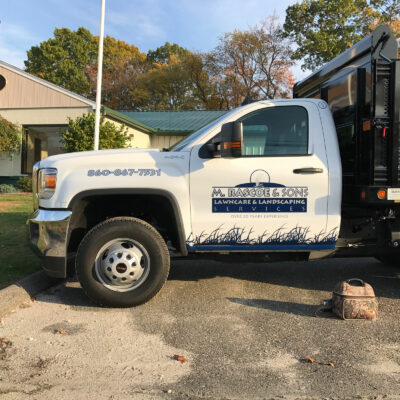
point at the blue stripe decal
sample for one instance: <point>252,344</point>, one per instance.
<point>283,247</point>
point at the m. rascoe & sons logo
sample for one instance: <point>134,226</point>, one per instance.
<point>260,195</point>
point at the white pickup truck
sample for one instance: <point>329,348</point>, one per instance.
<point>263,182</point>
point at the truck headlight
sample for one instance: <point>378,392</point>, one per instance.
<point>47,180</point>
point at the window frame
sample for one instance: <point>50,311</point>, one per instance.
<point>204,154</point>
<point>282,155</point>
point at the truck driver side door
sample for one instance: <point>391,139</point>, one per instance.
<point>273,197</point>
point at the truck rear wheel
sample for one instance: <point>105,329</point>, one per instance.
<point>122,262</point>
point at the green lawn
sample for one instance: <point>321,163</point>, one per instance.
<point>16,258</point>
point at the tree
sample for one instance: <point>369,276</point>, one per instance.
<point>10,137</point>
<point>203,89</point>
<point>163,53</point>
<point>166,86</point>
<point>322,29</point>
<point>70,60</point>
<point>253,63</point>
<point>80,134</point>
<point>175,79</point>
<point>383,12</point>
<point>122,64</point>
<point>64,59</point>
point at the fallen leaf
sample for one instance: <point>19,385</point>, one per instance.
<point>60,332</point>
<point>33,298</point>
<point>179,358</point>
<point>5,343</point>
<point>311,360</point>
<point>330,363</point>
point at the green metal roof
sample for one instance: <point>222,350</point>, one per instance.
<point>122,118</point>
<point>174,122</point>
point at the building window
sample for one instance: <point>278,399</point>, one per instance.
<point>2,82</point>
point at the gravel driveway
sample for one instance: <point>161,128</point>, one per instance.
<point>244,330</point>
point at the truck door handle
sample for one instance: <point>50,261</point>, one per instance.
<point>308,171</point>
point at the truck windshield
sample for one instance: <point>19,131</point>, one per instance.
<point>184,142</point>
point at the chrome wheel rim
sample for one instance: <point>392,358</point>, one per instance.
<point>122,265</point>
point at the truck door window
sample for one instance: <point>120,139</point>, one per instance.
<point>271,131</point>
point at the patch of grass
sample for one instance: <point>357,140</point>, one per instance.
<point>16,258</point>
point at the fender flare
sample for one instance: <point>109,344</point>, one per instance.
<point>141,191</point>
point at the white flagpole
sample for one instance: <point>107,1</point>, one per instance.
<point>99,76</point>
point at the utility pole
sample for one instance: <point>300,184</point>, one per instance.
<point>99,77</point>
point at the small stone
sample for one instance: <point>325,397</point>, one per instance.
<point>169,391</point>
<point>30,339</point>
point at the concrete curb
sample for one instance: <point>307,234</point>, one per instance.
<point>22,291</point>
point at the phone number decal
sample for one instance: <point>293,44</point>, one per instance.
<point>124,172</point>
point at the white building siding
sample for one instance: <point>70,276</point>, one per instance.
<point>138,139</point>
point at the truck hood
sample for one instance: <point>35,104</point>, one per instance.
<point>50,162</point>
<point>115,169</point>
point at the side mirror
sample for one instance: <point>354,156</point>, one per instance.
<point>232,139</point>
<point>228,143</point>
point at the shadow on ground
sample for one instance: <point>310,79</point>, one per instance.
<point>315,275</point>
<point>319,275</point>
<point>278,306</point>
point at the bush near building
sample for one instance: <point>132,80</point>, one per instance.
<point>10,137</point>
<point>6,188</point>
<point>80,134</point>
<point>24,184</point>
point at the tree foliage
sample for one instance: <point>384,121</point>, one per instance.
<point>10,137</point>
<point>170,86</point>
<point>80,134</point>
<point>122,64</point>
<point>163,53</point>
<point>322,29</point>
<point>63,59</point>
<point>254,63</point>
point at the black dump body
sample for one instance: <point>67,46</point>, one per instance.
<point>362,88</point>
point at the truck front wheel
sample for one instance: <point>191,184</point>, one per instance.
<point>122,262</point>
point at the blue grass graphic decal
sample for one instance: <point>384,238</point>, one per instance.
<point>237,236</point>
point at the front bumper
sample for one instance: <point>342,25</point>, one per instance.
<point>47,235</point>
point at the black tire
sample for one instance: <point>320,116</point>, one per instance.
<point>90,262</point>
<point>391,261</point>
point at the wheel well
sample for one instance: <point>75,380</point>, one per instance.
<point>156,209</point>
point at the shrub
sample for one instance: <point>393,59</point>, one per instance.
<point>24,184</point>
<point>10,137</point>
<point>80,134</point>
<point>6,188</point>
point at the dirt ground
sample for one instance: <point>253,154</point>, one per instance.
<point>244,330</point>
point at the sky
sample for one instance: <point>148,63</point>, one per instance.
<point>148,24</point>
